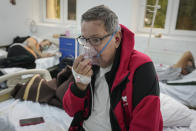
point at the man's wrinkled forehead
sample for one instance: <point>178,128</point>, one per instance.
<point>91,28</point>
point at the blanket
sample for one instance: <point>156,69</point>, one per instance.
<point>39,90</point>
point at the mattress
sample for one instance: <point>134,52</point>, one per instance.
<point>11,111</point>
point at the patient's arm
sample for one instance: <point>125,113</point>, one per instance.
<point>31,44</point>
<point>182,63</point>
<point>186,63</point>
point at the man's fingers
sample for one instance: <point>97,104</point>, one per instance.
<point>90,73</point>
<point>77,61</point>
<point>82,65</point>
<point>86,70</point>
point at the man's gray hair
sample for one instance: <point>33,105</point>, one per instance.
<point>103,13</point>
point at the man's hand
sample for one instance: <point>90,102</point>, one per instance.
<point>83,67</point>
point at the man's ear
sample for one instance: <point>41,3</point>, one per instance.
<point>118,37</point>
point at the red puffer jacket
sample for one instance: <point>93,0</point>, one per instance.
<point>134,92</point>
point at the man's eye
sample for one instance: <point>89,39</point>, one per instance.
<point>81,40</point>
<point>94,40</point>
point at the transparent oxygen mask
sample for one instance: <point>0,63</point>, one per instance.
<point>89,53</point>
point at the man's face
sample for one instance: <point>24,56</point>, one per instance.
<point>96,29</point>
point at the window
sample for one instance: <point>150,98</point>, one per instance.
<point>161,13</point>
<point>59,11</point>
<point>53,9</point>
<point>176,17</point>
<point>186,19</point>
<point>71,9</point>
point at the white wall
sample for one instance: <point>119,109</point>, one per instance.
<point>15,20</point>
<point>121,7</point>
<point>165,50</point>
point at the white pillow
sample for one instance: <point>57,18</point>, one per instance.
<point>3,53</point>
<point>174,113</point>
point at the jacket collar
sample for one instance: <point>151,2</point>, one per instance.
<point>122,58</point>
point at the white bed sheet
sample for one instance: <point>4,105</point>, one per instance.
<point>176,116</point>
<point>45,63</point>
<point>192,126</point>
<point>185,94</point>
<point>177,129</point>
<point>11,111</point>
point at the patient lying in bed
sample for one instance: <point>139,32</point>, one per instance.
<point>24,54</point>
<point>37,47</point>
<point>184,66</point>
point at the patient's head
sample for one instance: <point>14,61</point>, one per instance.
<point>45,44</point>
<point>189,67</point>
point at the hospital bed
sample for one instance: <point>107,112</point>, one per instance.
<point>11,79</point>
<point>41,63</point>
<point>11,110</point>
<point>176,116</point>
<point>183,90</point>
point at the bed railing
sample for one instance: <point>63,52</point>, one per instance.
<point>19,77</point>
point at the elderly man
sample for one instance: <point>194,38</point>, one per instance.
<point>119,91</point>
